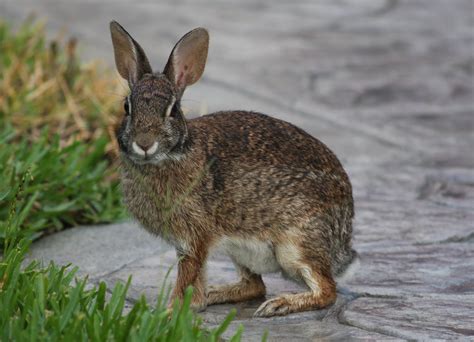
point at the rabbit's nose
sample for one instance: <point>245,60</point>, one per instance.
<point>145,144</point>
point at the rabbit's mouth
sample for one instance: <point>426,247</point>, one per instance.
<point>140,160</point>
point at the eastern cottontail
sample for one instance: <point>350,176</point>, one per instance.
<point>270,195</point>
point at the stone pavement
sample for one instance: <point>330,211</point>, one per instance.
<point>387,84</point>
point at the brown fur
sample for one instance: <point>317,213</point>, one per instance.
<point>235,176</point>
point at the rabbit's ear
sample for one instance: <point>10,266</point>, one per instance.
<point>130,58</point>
<point>188,59</point>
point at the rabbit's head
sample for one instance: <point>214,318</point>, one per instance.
<point>154,128</point>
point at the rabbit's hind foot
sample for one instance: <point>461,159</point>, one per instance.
<point>315,272</point>
<point>319,298</point>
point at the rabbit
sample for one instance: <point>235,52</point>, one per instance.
<point>261,190</point>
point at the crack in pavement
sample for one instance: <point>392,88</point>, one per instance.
<point>343,321</point>
<point>389,6</point>
<point>469,238</point>
<point>123,266</point>
<point>334,315</point>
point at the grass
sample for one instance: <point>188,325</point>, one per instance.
<point>57,170</point>
<point>67,186</point>
<point>56,118</point>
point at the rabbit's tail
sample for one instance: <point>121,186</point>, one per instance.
<point>344,259</point>
<point>348,268</point>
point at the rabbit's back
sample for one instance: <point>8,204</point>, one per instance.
<point>267,173</point>
<point>248,150</point>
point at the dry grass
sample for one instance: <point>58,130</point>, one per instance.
<point>42,84</point>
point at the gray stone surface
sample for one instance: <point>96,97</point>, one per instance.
<point>387,84</point>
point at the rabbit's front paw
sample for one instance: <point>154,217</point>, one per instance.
<point>278,306</point>
<point>198,303</point>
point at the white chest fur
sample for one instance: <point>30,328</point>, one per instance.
<point>256,255</point>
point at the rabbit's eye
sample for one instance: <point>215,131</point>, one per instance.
<point>126,105</point>
<point>172,112</point>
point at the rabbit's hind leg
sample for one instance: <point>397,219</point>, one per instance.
<point>249,287</point>
<point>314,271</point>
